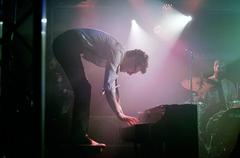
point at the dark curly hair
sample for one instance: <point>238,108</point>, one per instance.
<point>141,58</point>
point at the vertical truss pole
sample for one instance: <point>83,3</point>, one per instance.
<point>39,73</point>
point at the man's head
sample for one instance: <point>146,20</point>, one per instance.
<point>219,67</point>
<point>134,61</point>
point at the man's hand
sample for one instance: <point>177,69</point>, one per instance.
<point>129,120</point>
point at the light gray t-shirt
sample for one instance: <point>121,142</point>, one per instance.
<point>103,50</point>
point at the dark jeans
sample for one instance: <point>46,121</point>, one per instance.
<point>67,51</point>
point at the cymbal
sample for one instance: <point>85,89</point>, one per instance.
<point>199,85</point>
<point>235,104</point>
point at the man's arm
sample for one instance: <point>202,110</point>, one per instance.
<point>111,88</point>
<point>117,108</point>
<point>113,102</point>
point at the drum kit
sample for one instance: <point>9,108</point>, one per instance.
<point>223,127</point>
<point>200,86</point>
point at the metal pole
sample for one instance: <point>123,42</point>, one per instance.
<point>190,53</point>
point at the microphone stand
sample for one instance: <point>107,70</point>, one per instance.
<point>190,76</point>
<point>238,87</point>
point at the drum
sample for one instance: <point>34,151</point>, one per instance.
<point>223,129</point>
<point>233,104</point>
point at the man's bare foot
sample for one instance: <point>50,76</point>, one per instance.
<point>94,143</point>
<point>87,141</point>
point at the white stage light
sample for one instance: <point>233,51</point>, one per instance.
<point>189,18</point>
<point>138,37</point>
<point>44,20</point>
<point>134,21</point>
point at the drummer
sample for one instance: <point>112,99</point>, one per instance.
<point>222,92</point>
<point>216,98</point>
<point>214,90</point>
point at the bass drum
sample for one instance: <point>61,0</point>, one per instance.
<point>223,129</point>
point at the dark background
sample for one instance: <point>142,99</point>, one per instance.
<point>34,88</point>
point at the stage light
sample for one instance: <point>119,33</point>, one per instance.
<point>134,23</point>
<point>135,27</point>
<point>167,6</point>
<point>138,37</point>
<point>44,20</point>
<point>171,25</point>
<point>184,20</point>
<point>189,18</point>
